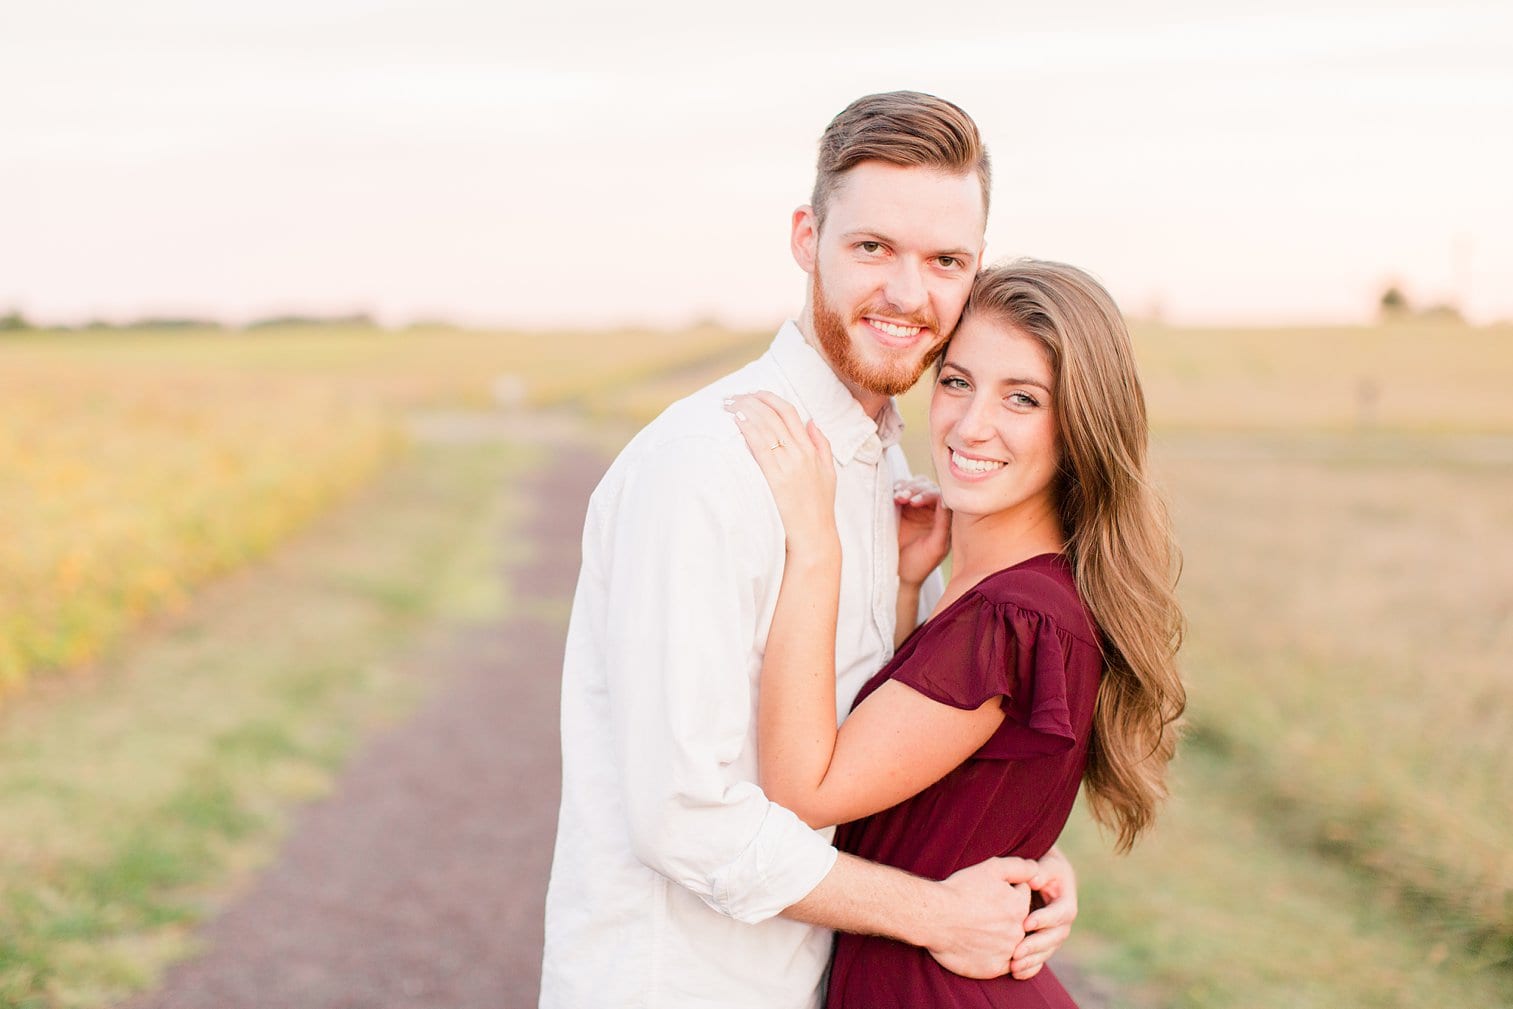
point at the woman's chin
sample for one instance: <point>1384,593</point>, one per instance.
<point>959,503</point>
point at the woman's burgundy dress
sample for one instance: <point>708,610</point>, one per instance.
<point>1022,634</point>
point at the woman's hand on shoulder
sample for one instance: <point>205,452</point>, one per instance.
<point>795,458</point>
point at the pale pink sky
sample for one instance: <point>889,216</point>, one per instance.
<point>610,163</point>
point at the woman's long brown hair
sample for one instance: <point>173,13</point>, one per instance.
<point>1119,538</point>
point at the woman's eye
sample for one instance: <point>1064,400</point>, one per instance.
<point>953,382</point>
<point>1023,399</point>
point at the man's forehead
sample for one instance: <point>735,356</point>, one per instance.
<point>909,205</point>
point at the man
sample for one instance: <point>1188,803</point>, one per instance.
<point>675,881</point>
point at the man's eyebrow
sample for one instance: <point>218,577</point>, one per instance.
<point>867,234</point>
<point>1011,380</point>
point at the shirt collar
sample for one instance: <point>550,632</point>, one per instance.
<point>822,395</point>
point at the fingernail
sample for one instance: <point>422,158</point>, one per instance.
<point>739,415</point>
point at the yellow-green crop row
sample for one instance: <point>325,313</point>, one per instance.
<point>119,493</point>
<point>133,466</point>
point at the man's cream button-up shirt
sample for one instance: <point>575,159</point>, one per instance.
<point>671,865</point>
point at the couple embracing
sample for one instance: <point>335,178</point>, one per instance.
<point>789,745</point>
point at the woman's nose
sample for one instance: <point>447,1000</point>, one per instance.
<point>974,424</point>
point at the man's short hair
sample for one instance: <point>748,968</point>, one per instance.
<point>904,128</point>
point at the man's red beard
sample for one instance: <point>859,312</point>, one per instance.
<point>890,379</point>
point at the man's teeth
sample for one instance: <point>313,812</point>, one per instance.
<point>975,465</point>
<point>903,332</point>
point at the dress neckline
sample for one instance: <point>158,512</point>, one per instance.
<point>974,588</point>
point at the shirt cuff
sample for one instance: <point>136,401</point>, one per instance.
<point>784,861</point>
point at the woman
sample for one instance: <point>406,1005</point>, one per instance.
<point>1049,661</point>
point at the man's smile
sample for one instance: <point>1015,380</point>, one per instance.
<point>894,334</point>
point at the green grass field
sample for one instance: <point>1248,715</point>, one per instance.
<point>1344,804</point>
<point>1340,829</point>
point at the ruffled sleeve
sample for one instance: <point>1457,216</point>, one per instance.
<point>980,649</point>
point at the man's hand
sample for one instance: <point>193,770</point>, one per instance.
<point>1047,927</point>
<point>983,917</point>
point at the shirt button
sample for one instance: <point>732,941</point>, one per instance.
<point>871,450</point>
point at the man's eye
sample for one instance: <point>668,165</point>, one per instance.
<point>950,262</point>
<point>871,247</point>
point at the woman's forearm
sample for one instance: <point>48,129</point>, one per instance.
<point>796,717</point>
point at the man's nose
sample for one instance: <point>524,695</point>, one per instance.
<point>906,287</point>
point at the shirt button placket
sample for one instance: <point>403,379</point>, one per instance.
<point>871,453</point>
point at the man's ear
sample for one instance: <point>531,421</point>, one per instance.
<point>805,239</point>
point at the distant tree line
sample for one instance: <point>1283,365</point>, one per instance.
<point>269,322</point>
<point>15,321</point>
<point>1394,306</point>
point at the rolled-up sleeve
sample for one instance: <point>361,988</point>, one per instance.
<point>685,568</point>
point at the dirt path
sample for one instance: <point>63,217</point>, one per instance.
<point>420,881</point>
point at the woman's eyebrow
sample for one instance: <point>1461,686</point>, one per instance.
<point>1011,380</point>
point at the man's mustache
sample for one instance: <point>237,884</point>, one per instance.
<point>898,316</point>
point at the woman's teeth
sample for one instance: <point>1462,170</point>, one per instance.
<point>961,462</point>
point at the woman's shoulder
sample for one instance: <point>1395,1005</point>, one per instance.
<point>1021,633</point>
<point>1043,585</point>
